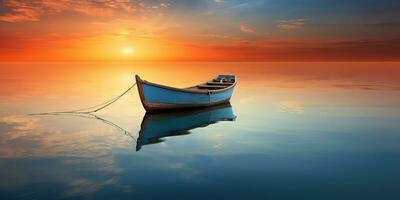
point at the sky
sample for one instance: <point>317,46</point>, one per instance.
<point>199,30</point>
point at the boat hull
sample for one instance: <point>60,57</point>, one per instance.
<point>157,98</point>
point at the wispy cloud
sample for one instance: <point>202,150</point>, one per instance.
<point>218,36</point>
<point>247,29</point>
<point>218,2</point>
<point>291,24</point>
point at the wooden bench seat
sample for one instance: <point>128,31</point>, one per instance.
<point>218,83</point>
<point>212,86</point>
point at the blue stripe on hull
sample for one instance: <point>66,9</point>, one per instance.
<point>159,95</point>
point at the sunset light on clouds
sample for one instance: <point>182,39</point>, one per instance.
<point>201,30</point>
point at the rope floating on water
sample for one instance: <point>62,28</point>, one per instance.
<point>91,109</point>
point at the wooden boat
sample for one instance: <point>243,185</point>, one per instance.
<point>156,97</point>
<point>156,126</point>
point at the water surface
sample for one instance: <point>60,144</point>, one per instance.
<point>292,131</point>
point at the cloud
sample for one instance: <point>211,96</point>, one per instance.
<point>20,11</point>
<point>218,2</point>
<point>218,36</point>
<point>291,24</point>
<point>32,10</point>
<point>285,50</point>
<point>88,7</point>
<point>247,29</point>
<point>165,5</point>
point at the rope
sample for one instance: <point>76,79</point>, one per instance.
<point>92,109</point>
<point>94,117</point>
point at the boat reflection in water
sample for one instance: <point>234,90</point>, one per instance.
<point>156,126</point>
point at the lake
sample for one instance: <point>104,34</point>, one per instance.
<point>291,131</point>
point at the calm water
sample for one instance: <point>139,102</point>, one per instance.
<point>292,131</point>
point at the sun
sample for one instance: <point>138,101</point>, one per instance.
<point>127,50</point>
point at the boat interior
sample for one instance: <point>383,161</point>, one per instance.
<point>221,82</point>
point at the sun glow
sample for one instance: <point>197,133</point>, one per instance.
<point>127,51</point>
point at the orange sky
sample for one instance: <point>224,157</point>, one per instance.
<point>204,30</point>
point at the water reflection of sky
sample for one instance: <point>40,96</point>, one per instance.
<point>303,133</point>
